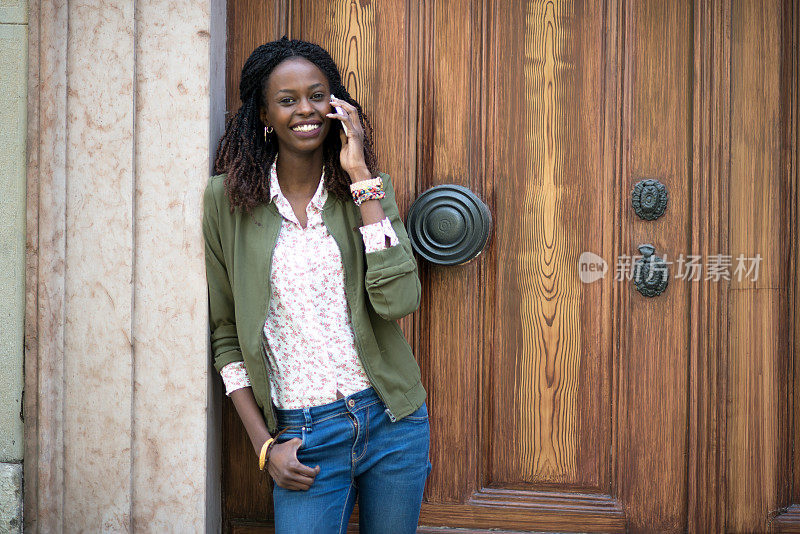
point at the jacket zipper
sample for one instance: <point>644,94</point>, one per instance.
<point>388,411</point>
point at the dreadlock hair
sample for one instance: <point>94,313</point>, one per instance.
<point>247,157</point>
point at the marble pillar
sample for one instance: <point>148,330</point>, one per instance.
<point>120,423</point>
<point>13,118</point>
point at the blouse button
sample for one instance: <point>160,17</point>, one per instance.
<point>351,403</point>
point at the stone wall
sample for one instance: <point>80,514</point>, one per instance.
<point>119,411</point>
<point>13,93</point>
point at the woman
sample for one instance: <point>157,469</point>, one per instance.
<point>309,267</point>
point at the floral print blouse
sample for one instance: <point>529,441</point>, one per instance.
<point>311,349</point>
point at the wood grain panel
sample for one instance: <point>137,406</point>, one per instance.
<point>448,344</point>
<point>550,392</point>
<point>758,365</point>
<point>757,416</point>
<point>794,240</point>
<point>757,181</point>
<point>653,358</point>
<point>353,33</point>
<point>246,491</point>
<point>708,307</point>
<point>531,512</point>
<point>789,518</point>
<point>757,468</point>
<point>251,23</point>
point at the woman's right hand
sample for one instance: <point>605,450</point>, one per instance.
<point>286,470</point>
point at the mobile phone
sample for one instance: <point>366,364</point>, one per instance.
<point>340,111</point>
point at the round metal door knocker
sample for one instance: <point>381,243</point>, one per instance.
<point>649,199</point>
<point>650,273</point>
<point>449,225</point>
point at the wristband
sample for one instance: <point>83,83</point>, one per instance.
<point>365,184</point>
<point>367,190</point>
<point>263,457</point>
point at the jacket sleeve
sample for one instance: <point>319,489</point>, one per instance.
<point>391,279</point>
<point>221,311</point>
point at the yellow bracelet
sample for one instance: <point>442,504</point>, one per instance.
<point>262,458</point>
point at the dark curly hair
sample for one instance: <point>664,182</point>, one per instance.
<point>246,157</point>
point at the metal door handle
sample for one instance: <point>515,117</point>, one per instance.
<point>449,225</point>
<point>650,273</point>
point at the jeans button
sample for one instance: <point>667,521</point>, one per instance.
<point>351,403</point>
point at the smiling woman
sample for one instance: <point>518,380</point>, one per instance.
<point>250,144</point>
<point>297,104</point>
<point>325,384</point>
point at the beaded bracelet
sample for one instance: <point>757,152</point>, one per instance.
<point>367,190</point>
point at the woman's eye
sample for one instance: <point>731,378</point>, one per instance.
<point>317,96</point>
<point>286,100</point>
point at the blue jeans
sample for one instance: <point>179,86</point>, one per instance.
<point>361,454</point>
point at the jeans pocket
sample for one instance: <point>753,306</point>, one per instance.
<point>420,415</point>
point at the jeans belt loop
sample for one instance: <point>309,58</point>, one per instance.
<point>307,415</point>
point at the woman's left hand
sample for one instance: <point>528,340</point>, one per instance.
<point>352,155</point>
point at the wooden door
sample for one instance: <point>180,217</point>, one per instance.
<point>556,404</point>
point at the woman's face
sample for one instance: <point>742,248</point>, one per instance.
<point>297,95</point>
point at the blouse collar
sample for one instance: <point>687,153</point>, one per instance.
<point>320,195</point>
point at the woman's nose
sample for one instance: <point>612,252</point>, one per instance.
<point>304,106</point>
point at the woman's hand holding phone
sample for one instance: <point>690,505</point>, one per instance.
<point>352,136</point>
<point>339,111</point>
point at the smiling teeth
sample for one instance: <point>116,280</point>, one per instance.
<point>305,127</point>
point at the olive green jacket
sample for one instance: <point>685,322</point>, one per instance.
<point>380,286</point>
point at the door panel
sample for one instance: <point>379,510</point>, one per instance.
<point>551,357</point>
<point>758,367</point>
<point>653,359</point>
<point>449,318</point>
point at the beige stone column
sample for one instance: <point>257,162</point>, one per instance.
<point>13,92</point>
<point>119,414</point>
